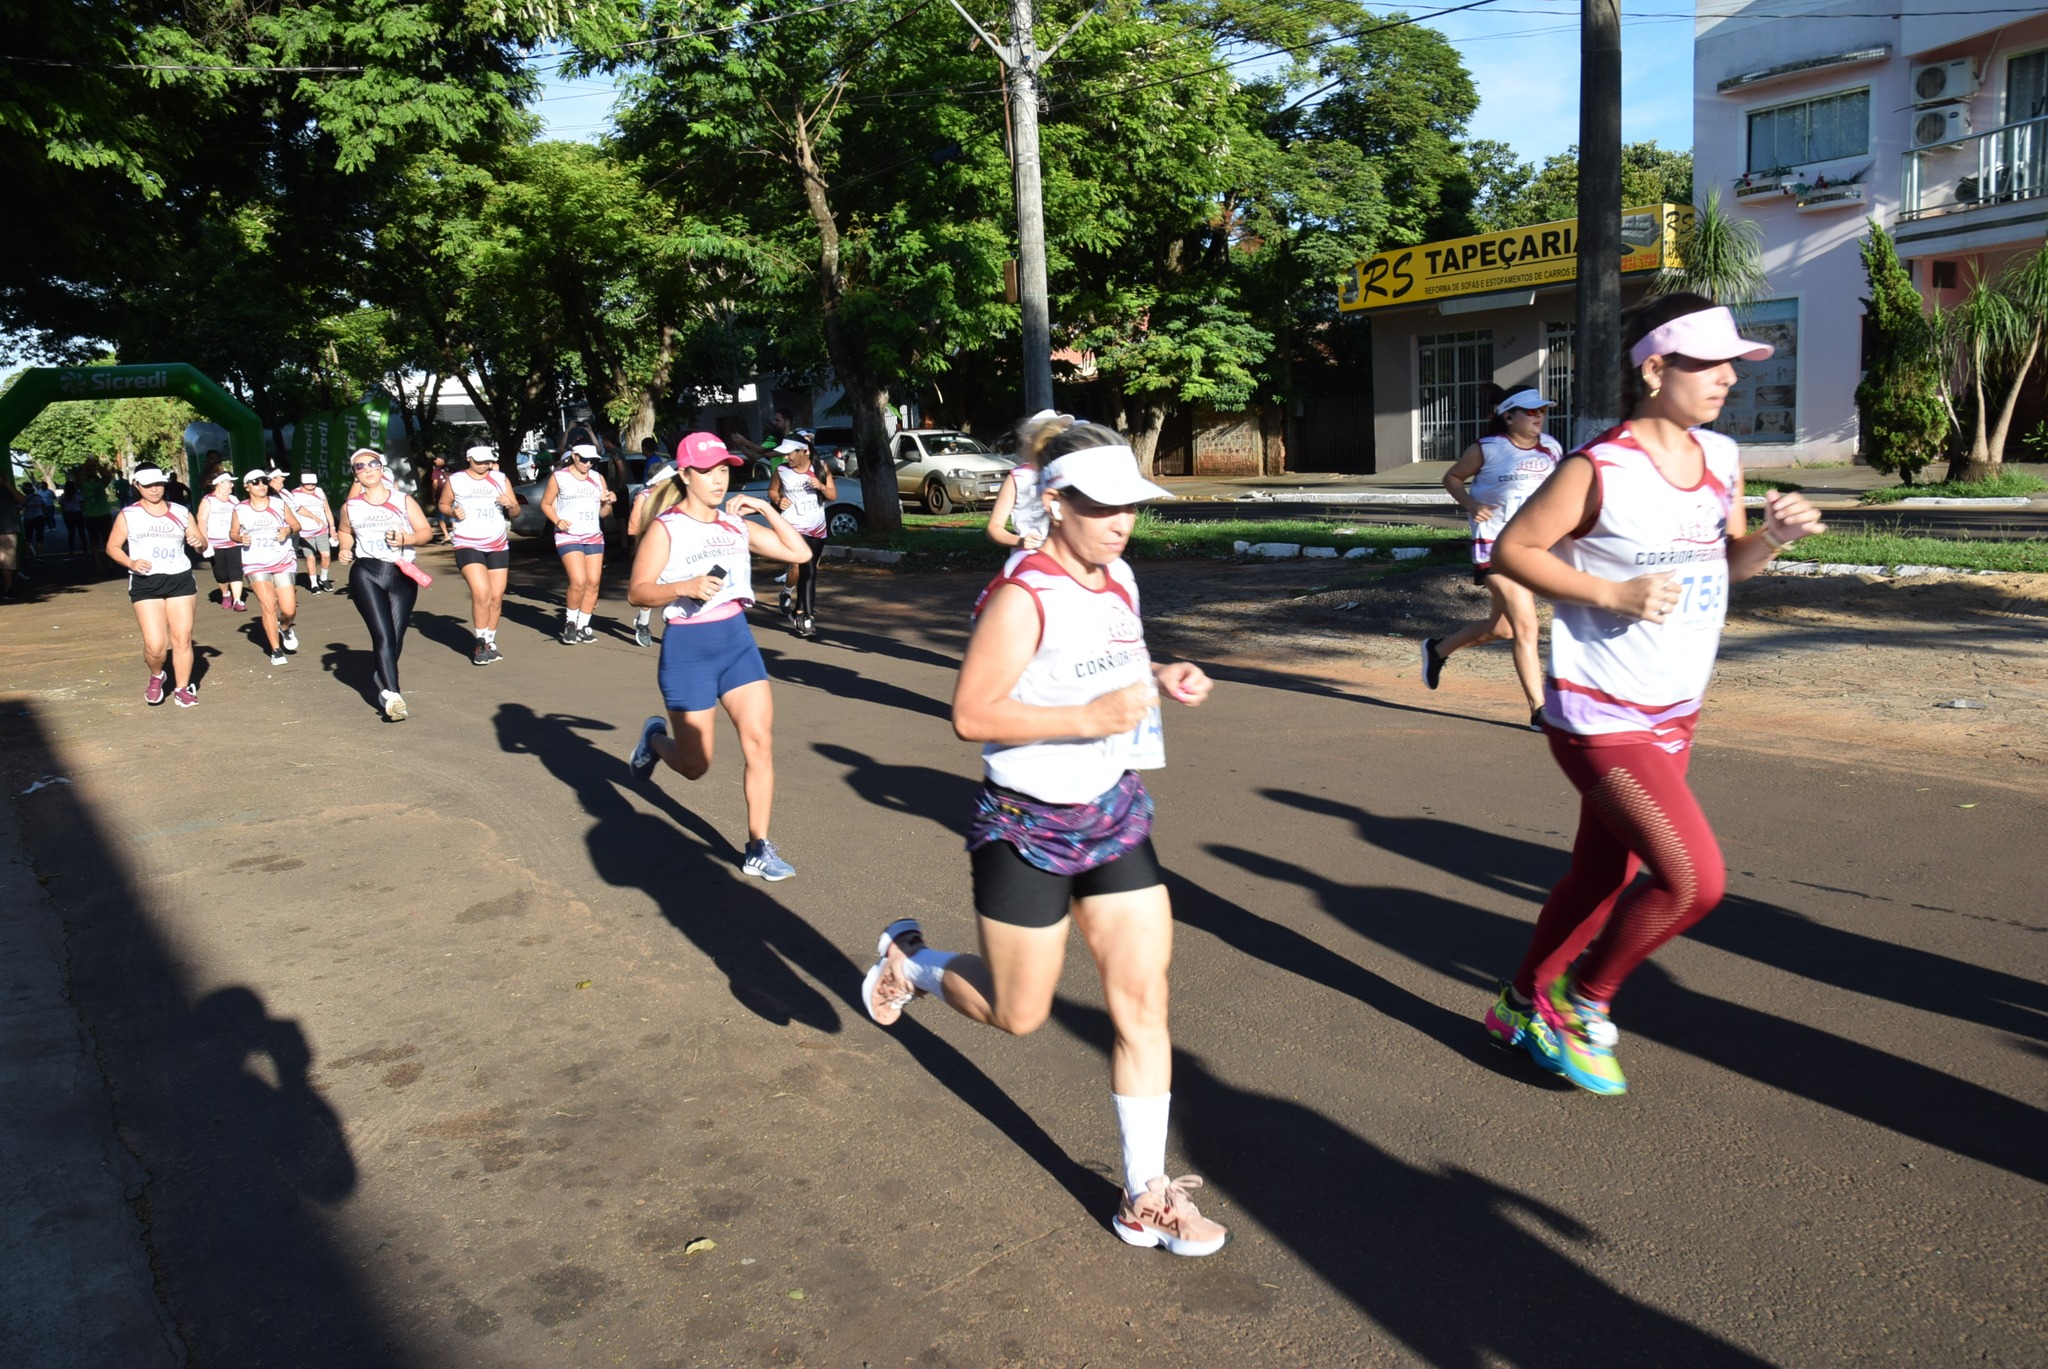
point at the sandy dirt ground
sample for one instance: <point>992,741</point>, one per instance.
<point>447,1044</point>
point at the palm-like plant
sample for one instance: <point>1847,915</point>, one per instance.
<point>1990,340</point>
<point>1720,256</point>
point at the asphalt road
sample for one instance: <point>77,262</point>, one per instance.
<point>445,1044</point>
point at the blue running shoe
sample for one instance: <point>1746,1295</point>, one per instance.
<point>643,759</point>
<point>1585,1037</point>
<point>763,863</point>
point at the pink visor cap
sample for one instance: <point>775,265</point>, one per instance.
<point>702,451</point>
<point>1708,335</point>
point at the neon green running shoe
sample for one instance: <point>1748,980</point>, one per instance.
<point>1585,1038</point>
<point>1514,1028</point>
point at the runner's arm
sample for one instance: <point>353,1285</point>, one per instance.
<point>1787,518</point>
<point>643,589</point>
<point>999,516</point>
<point>1566,502</point>
<point>1460,473</point>
<point>778,541</point>
<point>117,542</point>
<point>1004,641</point>
<point>344,538</point>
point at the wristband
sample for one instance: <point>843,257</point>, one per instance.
<point>1773,543</point>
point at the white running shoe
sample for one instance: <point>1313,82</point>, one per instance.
<point>887,990</point>
<point>394,708</point>
<point>279,658</point>
<point>291,639</point>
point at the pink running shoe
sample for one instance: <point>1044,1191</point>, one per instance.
<point>153,692</point>
<point>186,697</point>
<point>1165,1215</point>
<point>240,606</point>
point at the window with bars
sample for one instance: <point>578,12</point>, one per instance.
<point>1456,371</point>
<point>1560,353</point>
<point>1822,130</point>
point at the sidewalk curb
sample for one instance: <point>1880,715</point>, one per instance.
<point>76,1288</point>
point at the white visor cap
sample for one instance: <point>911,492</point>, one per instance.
<point>1531,400</point>
<point>1108,475</point>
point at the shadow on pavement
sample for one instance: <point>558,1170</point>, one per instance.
<point>241,1156</point>
<point>1440,1257</point>
<point>756,942</point>
<point>1296,684</point>
<point>1887,1090</point>
<point>844,683</point>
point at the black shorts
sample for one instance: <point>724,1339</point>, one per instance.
<point>227,565</point>
<point>176,585</point>
<point>1010,889</point>
<point>501,559</point>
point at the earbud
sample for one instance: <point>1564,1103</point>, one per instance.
<point>1057,514</point>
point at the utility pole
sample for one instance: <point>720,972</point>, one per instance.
<point>1597,359</point>
<point>1024,62</point>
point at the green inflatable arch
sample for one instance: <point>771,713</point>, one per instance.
<point>42,386</point>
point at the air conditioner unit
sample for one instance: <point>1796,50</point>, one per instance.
<point>1939,81</point>
<point>1932,127</point>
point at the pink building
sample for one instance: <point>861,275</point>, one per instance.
<point>1812,117</point>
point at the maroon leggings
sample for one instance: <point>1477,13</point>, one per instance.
<point>1635,812</point>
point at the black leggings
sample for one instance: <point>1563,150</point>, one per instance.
<point>384,595</point>
<point>807,578</point>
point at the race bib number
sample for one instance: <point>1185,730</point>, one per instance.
<point>1144,746</point>
<point>1703,599</point>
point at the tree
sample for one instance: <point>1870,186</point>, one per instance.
<point>1991,339</point>
<point>150,430</point>
<point>1649,175</point>
<point>1719,256</point>
<point>1903,421</point>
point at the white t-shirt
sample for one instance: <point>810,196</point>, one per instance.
<point>694,549</point>
<point>579,502</point>
<point>1090,642</point>
<point>482,525</point>
<point>219,517</point>
<point>311,507</point>
<point>1612,675</point>
<point>1028,512</point>
<point>158,538</point>
<point>1507,476</point>
<point>371,522</point>
<point>270,538</point>
<point>806,512</point>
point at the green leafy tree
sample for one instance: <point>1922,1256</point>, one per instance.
<point>1990,340</point>
<point>1904,423</point>
<point>1649,175</point>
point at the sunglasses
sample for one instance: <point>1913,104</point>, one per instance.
<point>366,466</point>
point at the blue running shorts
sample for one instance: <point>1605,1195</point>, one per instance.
<point>702,662</point>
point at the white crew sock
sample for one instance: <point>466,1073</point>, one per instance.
<point>641,617</point>
<point>482,635</point>
<point>1142,1123</point>
<point>490,634</point>
<point>927,971</point>
<point>386,695</point>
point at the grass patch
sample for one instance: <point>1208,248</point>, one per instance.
<point>950,541</point>
<point>1892,549</point>
<point>1766,486</point>
<point>2004,485</point>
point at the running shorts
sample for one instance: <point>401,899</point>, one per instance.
<point>227,565</point>
<point>316,542</point>
<point>285,578</point>
<point>1480,574</point>
<point>176,585</point>
<point>1010,889</point>
<point>587,548</point>
<point>703,662</point>
<point>501,559</point>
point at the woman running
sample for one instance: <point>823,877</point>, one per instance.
<point>1059,687</point>
<point>264,525</point>
<point>1630,656</point>
<point>799,483</point>
<point>316,536</point>
<point>153,540</point>
<point>695,562</point>
<point>380,525</point>
<point>482,504</point>
<point>575,502</point>
<point>1490,481</point>
<point>659,473</point>
<point>216,517</point>
<point>1020,506</point>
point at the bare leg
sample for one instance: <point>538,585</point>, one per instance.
<point>1131,937</point>
<point>688,750</point>
<point>151,617</point>
<point>178,620</point>
<point>1009,986</point>
<point>1521,614</point>
<point>494,599</point>
<point>752,710</point>
<point>266,604</point>
<point>1492,628</point>
<point>479,581</point>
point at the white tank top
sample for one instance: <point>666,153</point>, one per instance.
<point>1507,476</point>
<point>806,512</point>
<point>219,515</point>
<point>693,549</point>
<point>1089,643</point>
<point>1611,675</point>
<point>1028,513</point>
<point>158,538</point>
<point>482,525</point>
<point>578,503</point>
<point>370,522</point>
<point>312,512</point>
<point>270,539</point>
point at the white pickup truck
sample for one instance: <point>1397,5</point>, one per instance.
<point>941,469</point>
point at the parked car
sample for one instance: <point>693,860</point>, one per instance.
<point>529,523</point>
<point>940,469</point>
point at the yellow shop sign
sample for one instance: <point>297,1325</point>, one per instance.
<point>1517,259</point>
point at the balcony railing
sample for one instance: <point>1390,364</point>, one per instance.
<point>1999,167</point>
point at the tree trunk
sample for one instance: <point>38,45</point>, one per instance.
<point>1143,418</point>
<point>867,399</point>
<point>646,414</point>
<point>2003,428</point>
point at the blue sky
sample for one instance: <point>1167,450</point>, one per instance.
<point>1523,55</point>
